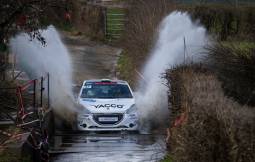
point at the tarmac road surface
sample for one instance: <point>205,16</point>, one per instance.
<point>113,147</point>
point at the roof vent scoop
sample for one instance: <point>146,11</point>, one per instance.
<point>106,80</point>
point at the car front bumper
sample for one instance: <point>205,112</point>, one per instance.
<point>90,122</point>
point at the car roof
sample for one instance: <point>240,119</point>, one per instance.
<point>105,80</point>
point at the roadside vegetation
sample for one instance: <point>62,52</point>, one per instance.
<point>226,22</point>
<point>206,124</point>
<point>228,25</point>
<point>212,105</point>
<point>167,158</point>
<point>125,67</point>
<point>234,66</point>
<point>143,18</point>
<point>89,20</point>
<point>7,156</point>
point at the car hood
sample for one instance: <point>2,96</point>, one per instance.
<point>107,105</point>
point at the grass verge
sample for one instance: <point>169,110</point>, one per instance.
<point>125,68</point>
<point>167,158</point>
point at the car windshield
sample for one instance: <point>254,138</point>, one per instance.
<point>106,90</point>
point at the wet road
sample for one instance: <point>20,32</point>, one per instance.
<point>108,148</point>
<point>93,61</point>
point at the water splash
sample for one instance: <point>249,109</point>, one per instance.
<point>152,101</point>
<point>53,58</point>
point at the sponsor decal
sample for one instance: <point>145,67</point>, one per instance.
<point>89,100</point>
<point>108,106</point>
<point>88,86</point>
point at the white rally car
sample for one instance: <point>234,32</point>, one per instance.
<point>107,105</point>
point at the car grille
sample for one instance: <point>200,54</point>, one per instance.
<point>97,116</point>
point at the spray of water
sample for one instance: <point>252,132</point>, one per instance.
<point>37,60</point>
<point>170,50</point>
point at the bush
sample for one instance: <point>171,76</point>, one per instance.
<point>226,21</point>
<point>235,68</point>
<point>91,21</point>
<point>143,18</point>
<point>216,129</point>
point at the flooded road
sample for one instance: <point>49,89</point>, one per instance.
<point>107,148</point>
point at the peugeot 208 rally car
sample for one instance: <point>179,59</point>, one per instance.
<point>107,105</point>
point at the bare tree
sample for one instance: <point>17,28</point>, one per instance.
<point>26,16</point>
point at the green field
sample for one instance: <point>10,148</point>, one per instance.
<point>115,20</point>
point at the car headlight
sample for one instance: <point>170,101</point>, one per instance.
<point>86,111</point>
<point>83,109</point>
<point>132,109</point>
